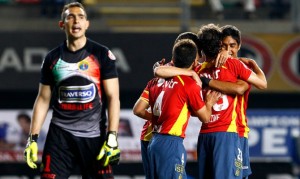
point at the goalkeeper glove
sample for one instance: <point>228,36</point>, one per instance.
<point>110,153</point>
<point>31,151</point>
<point>205,81</point>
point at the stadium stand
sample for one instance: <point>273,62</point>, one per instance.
<point>141,16</point>
<point>151,14</point>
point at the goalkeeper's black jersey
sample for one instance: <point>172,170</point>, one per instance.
<point>76,82</point>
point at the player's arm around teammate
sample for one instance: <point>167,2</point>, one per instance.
<point>170,71</point>
<point>239,87</point>
<point>259,79</point>
<point>140,109</point>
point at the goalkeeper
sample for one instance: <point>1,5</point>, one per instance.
<point>78,77</point>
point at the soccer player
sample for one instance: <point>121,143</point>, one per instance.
<point>173,105</point>
<point>219,150</point>
<point>142,107</point>
<point>231,42</point>
<point>76,76</point>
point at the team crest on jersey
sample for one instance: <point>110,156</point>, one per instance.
<point>111,55</point>
<point>83,65</point>
<point>179,168</point>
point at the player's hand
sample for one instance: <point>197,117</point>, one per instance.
<point>212,97</point>
<point>196,77</point>
<point>249,62</point>
<point>31,151</point>
<point>159,63</point>
<point>221,58</point>
<point>109,152</point>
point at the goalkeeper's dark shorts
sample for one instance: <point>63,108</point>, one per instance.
<point>65,155</point>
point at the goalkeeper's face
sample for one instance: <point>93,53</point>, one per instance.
<point>75,23</point>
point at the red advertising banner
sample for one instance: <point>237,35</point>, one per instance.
<point>279,57</point>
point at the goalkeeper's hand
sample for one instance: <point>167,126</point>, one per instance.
<point>31,151</point>
<point>110,153</point>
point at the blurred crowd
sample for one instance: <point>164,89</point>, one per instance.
<point>49,8</point>
<point>277,9</point>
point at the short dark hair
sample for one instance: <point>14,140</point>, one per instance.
<point>192,36</point>
<point>70,5</point>
<point>25,116</point>
<point>210,37</point>
<point>230,30</point>
<point>184,53</point>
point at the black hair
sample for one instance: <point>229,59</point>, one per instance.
<point>192,36</point>
<point>230,30</point>
<point>184,53</point>
<point>210,37</point>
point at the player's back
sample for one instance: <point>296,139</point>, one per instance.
<point>171,105</point>
<point>224,114</point>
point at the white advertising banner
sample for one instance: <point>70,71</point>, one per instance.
<point>271,135</point>
<point>12,146</point>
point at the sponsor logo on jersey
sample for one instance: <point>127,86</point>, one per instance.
<point>160,82</point>
<point>77,94</point>
<point>73,107</point>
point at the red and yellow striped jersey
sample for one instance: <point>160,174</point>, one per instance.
<point>242,121</point>
<point>224,112</point>
<point>174,103</point>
